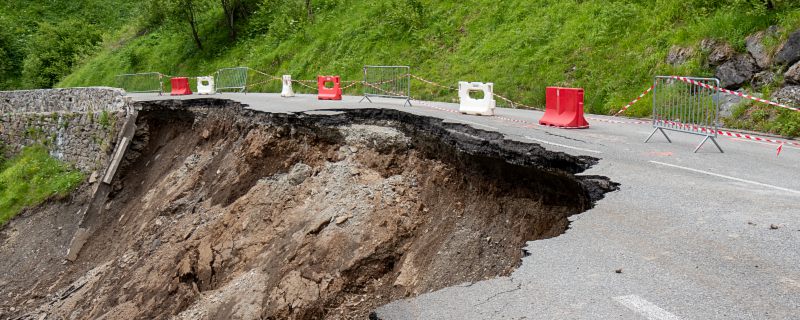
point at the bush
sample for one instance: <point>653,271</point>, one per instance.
<point>55,49</point>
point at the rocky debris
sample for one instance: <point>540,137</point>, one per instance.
<point>376,137</point>
<point>788,94</point>
<point>679,55</point>
<point>718,52</point>
<point>737,71</point>
<point>763,79</point>
<point>792,76</point>
<point>299,173</point>
<point>755,46</point>
<point>789,52</point>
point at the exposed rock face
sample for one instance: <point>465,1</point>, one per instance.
<point>755,46</point>
<point>763,79</point>
<point>789,52</point>
<point>793,74</point>
<point>719,52</point>
<point>679,55</point>
<point>788,94</point>
<point>736,72</point>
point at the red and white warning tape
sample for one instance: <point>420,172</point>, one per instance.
<point>780,143</point>
<point>635,100</point>
<point>746,96</point>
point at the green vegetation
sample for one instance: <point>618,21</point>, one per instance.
<point>612,48</point>
<point>30,178</point>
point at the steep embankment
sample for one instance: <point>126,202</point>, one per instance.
<point>224,213</point>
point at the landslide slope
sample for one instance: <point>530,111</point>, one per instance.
<point>223,213</point>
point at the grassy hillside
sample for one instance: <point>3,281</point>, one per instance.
<point>611,48</point>
<point>30,178</point>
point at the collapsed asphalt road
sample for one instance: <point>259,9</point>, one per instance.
<point>222,212</point>
<point>688,236</point>
<point>691,233</point>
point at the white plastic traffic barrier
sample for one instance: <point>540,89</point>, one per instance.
<point>468,105</point>
<point>205,85</point>
<point>287,86</point>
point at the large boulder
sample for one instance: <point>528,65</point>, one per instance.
<point>792,75</point>
<point>755,46</point>
<point>737,71</point>
<point>718,52</point>
<point>789,52</point>
<point>788,94</point>
<point>679,55</point>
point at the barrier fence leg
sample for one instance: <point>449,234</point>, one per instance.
<point>408,101</point>
<point>365,97</point>
<point>654,132</point>
<point>712,140</point>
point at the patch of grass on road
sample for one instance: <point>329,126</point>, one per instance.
<point>32,177</point>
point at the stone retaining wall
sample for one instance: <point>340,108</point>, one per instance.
<point>79,126</point>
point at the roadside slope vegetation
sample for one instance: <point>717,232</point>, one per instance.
<point>610,48</point>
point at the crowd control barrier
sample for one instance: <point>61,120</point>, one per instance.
<point>387,82</point>
<point>325,93</point>
<point>287,91</point>
<point>468,105</point>
<point>232,79</point>
<point>141,82</point>
<point>205,85</point>
<point>564,108</point>
<point>180,86</point>
<point>684,104</point>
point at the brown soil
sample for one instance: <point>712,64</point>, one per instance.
<point>225,214</point>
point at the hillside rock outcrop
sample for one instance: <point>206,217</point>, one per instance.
<point>789,52</point>
<point>737,71</point>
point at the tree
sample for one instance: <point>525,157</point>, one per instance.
<point>309,10</point>
<point>10,59</point>
<point>185,10</point>
<point>229,7</point>
<point>192,19</point>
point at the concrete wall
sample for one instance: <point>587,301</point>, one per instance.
<point>79,126</point>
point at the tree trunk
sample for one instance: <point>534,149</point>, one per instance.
<point>193,23</point>
<point>310,10</point>
<point>229,8</point>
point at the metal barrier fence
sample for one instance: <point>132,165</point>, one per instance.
<point>231,79</point>
<point>141,82</point>
<point>687,105</point>
<point>387,82</point>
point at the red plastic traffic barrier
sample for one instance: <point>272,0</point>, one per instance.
<point>180,86</point>
<point>564,108</point>
<point>325,93</point>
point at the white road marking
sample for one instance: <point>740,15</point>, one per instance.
<point>727,177</point>
<point>474,123</point>
<point>562,145</point>
<point>645,308</point>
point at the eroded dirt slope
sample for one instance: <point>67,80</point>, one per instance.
<point>222,213</point>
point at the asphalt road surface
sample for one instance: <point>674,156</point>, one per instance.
<point>693,234</point>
